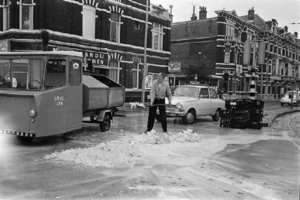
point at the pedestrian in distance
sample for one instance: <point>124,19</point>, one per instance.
<point>159,90</point>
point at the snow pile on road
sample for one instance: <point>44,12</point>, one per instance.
<point>121,152</point>
<point>153,137</point>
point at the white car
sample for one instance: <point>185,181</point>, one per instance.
<point>192,101</point>
<point>286,99</point>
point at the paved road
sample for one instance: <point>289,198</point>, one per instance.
<point>226,164</point>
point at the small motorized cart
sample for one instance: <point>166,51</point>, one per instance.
<point>46,93</point>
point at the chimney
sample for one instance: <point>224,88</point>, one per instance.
<point>269,23</point>
<point>251,14</point>
<point>202,13</point>
<point>286,29</point>
<point>296,35</point>
<point>171,13</point>
<point>280,31</point>
<point>194,16</point>
<point>274,26</point>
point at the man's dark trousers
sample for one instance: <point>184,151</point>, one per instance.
<point>162,112</point>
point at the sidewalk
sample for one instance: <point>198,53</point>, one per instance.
<point>273,109</point>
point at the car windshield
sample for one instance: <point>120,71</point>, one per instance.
<point>187,91</point>
<point>21,74</point>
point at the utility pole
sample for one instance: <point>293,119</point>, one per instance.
<point>145,71</point>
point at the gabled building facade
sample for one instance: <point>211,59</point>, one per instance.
<point>216,46</point>
<point>109,33</point>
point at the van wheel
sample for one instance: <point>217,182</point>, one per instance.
<point>190,117</point>
<point>25,139</point>
<point>105,125</point>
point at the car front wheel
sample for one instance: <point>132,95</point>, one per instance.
<point>190,117</point>
<point>216,116</point>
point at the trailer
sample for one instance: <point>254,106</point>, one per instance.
<point>46,93</point>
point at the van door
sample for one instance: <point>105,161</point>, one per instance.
<point>74,113</point>
<point>51,104</point>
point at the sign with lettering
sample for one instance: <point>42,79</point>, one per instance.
<point>174,67</point>
<point>59,100</point>
<point>97,58</point>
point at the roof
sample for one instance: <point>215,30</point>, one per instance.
<point>231,12</point>
<point>43,53</point>
<point>258,21</point>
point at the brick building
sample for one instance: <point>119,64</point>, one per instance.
<point>110,33</point>
<point>215,46</point>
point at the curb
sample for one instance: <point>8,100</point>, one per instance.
<point>281,114</point>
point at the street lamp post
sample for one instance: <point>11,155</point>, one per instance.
<point>145,71</point>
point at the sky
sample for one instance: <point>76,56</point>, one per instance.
<point>284,11</point>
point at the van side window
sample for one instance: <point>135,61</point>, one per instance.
<point>55,73</point>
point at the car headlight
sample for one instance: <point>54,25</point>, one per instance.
<point>32,113</point>
<point>179,106</point>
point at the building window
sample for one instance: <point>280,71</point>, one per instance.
<point>115,27</point>
<point>157,36</point>
<point>135,75</point>
<point>114,71</point>
<point>227,54</point>
<point>137,25</point>
<point>5,5</point>
<point>229,32</point>
<point>279,68</point>
<point>249,35</point>
<point>273,67</point>
<point>88,21</point>
<point>286,69</point>
<point>26,14</point>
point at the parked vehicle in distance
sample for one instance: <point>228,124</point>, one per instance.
<point>292,94</point>
<point>192,101</point>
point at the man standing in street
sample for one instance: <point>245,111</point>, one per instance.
<point>159,90</point>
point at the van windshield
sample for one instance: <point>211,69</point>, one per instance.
<point>21,74</point>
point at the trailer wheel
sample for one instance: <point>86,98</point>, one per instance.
<point>25,139</point>
<point>105,125</point>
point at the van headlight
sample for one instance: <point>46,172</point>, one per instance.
<point>179,106</point>
<point>32,113</point>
